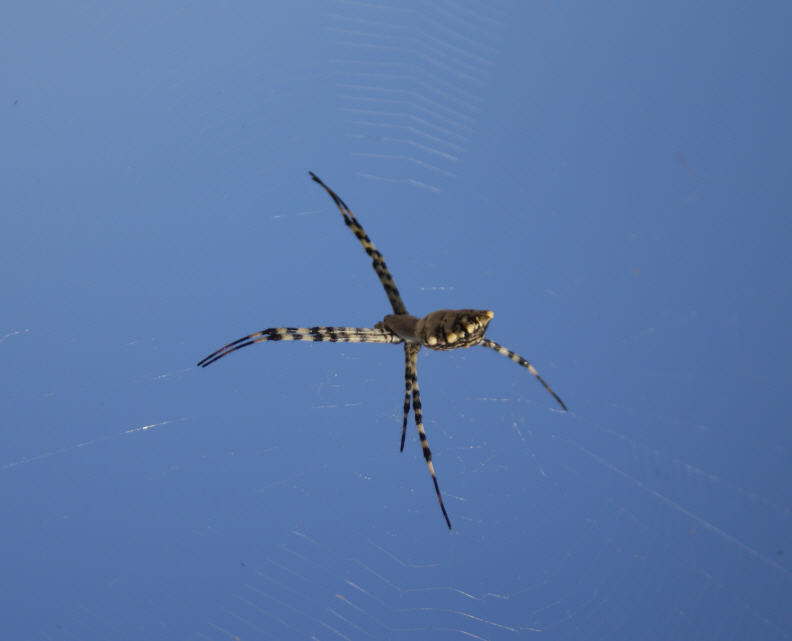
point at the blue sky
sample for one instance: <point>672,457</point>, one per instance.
<point>611,181</point>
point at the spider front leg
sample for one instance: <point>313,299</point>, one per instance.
<point>416,403</point>
<point>377,260</point>
<point>316,334</point>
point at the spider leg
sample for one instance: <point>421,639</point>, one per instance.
<point>376,258</point>
<point>407,390</point>
<point>521,361</point>
<point>416,403</point>
<point>321,334</point>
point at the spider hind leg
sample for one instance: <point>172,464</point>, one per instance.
<point>407,392</point>
<point>416,403</point>
<point>521,361</point>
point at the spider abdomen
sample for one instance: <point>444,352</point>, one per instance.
<point>441,330</point>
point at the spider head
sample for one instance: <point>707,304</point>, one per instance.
<point>453,328</point>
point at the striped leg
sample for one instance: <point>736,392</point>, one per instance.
<point>521,361</point>
<point>323,334</point>
<point>416,403</point>
<point>407,390</point>
<point>376,258</point>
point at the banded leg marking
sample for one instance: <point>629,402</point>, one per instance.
<point>416,403</point>
<point>407,390</point>
<point>521,361</point>
<point>317,334</point>
<point>377,259</point>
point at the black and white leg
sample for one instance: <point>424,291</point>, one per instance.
<point>521,361</point>
<point>317,334</point>
<point>388,284</point>
<point>377,260</point>
<point>413,350</point>
<point>407,391</point>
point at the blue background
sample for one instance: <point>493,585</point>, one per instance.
<point>612,181</point>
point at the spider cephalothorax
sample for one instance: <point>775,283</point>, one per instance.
<point>441,330</point>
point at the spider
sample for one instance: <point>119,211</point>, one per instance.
<point>441,330</point>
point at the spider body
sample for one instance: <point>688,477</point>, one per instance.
<point>442,330</point>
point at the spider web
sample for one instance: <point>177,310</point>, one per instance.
<point>159,206</point>
<point>411,80</point>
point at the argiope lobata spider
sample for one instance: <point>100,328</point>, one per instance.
<point>441,330</point>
